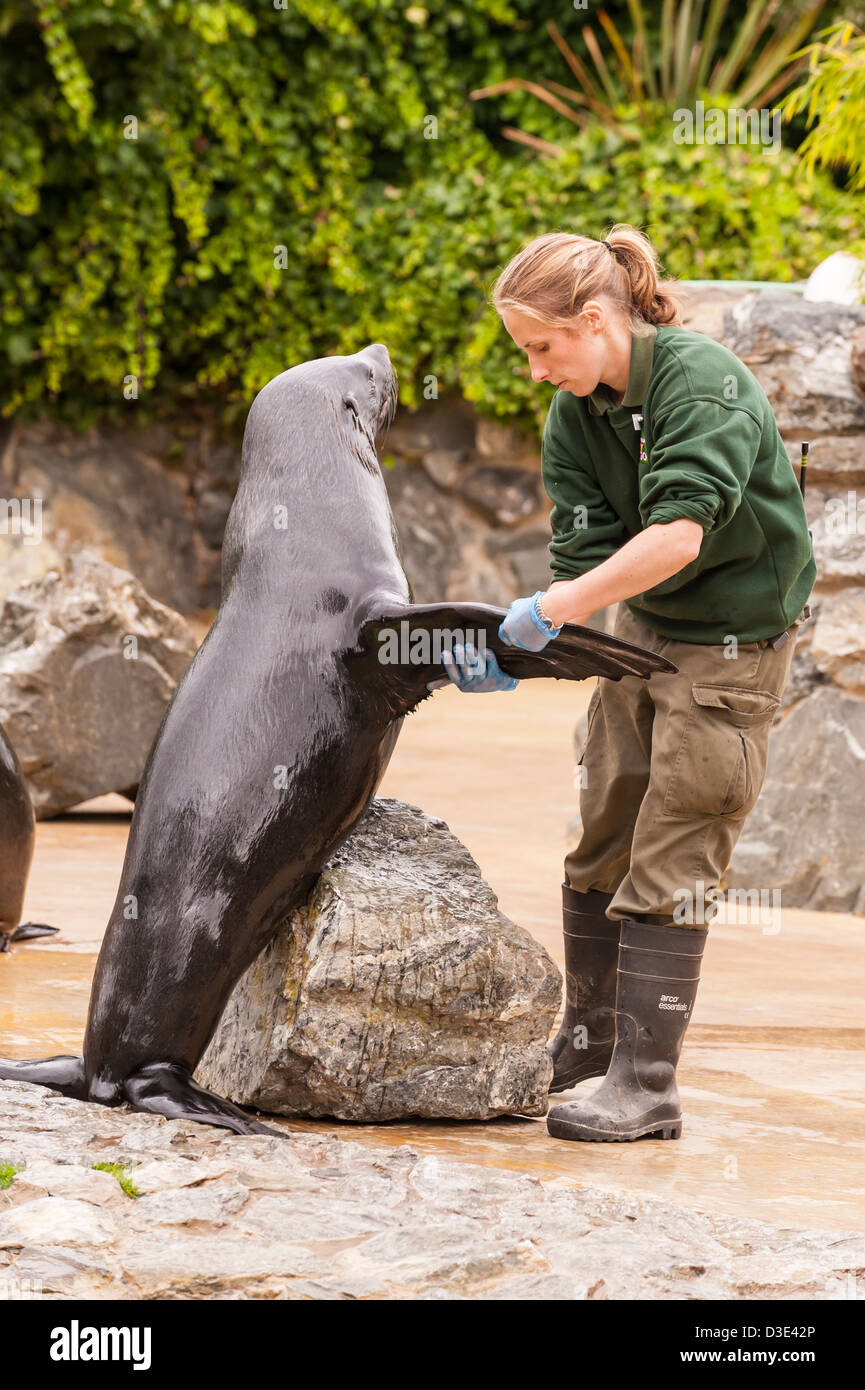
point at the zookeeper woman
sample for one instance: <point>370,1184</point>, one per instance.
<point>672,495</point>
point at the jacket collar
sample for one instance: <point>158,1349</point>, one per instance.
<point>639,375</point>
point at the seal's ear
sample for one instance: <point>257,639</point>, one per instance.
<point>407,643</point>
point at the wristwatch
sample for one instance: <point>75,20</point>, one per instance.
<point>543,617</point>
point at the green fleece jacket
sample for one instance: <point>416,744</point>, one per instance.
<point>694,436</point>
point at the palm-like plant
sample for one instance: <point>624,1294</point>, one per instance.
<point>834,94</point>
<point>684,63</point>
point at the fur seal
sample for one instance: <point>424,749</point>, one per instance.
<point>277,735</point>
<point>17,837</point>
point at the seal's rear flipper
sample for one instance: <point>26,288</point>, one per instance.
<point>28,931</point>
<point>407,643</point>
<point>63,1074</point>
<point>165,1089</point>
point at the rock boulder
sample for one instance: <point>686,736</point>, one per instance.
<point>88,663</point>
<point>399,990</point>
<point>804,836</point>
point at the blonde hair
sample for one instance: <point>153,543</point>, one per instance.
<point>555,275</point>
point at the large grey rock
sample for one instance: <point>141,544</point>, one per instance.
<point>445,466</point>
<point>801,354</point>
<point>506,445</point>
<point>836,517</point>
<point>458,484</point>
<point>441,542</point>
<point>838,644</point>
<point>152,499</point>
<point>448,423</point>
<point>400,989</point>
<point>835,458</point>
<point>88,663</point>
<point>504,496</point>
<point>527,552</point>
<point>804,837</point>
<point>108,490</point>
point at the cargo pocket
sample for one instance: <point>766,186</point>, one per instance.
<point>721,760</point>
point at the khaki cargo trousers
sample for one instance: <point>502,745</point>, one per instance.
<point>670,769</point>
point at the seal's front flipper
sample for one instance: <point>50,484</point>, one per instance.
<point>28,931</point>
<point>63,1074</point>
<point>165,1089</point>
<point>407,643</point>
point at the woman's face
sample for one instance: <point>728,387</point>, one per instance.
<point>572,360</point>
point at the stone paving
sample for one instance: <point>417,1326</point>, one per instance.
<point>317,1217</point>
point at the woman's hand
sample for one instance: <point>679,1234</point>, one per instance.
<point>473,671</point>
<point>524,627</point>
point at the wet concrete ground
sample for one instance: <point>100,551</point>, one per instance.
<point>772,1071</point>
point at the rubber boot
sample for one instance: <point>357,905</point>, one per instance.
<point>591,954</point>
<point>658,973</point>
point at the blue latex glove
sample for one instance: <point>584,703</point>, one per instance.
<point>474,672</point>
<point>523,625</point>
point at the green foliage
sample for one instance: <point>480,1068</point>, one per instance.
<point>690,55</point>
<point>712,211</point>
<point>66,65</point>
<point>155,154</point>
<point>834,95</point>
<point>7,1173</point>
<point>120,1170</point>
<point>194,196</point>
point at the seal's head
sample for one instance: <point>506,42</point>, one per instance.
<point>357,393</point>
<point>362,389</point>
<point>370,390</point>
<point>367,399</point>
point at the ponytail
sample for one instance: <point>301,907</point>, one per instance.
<point>555,275</point>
